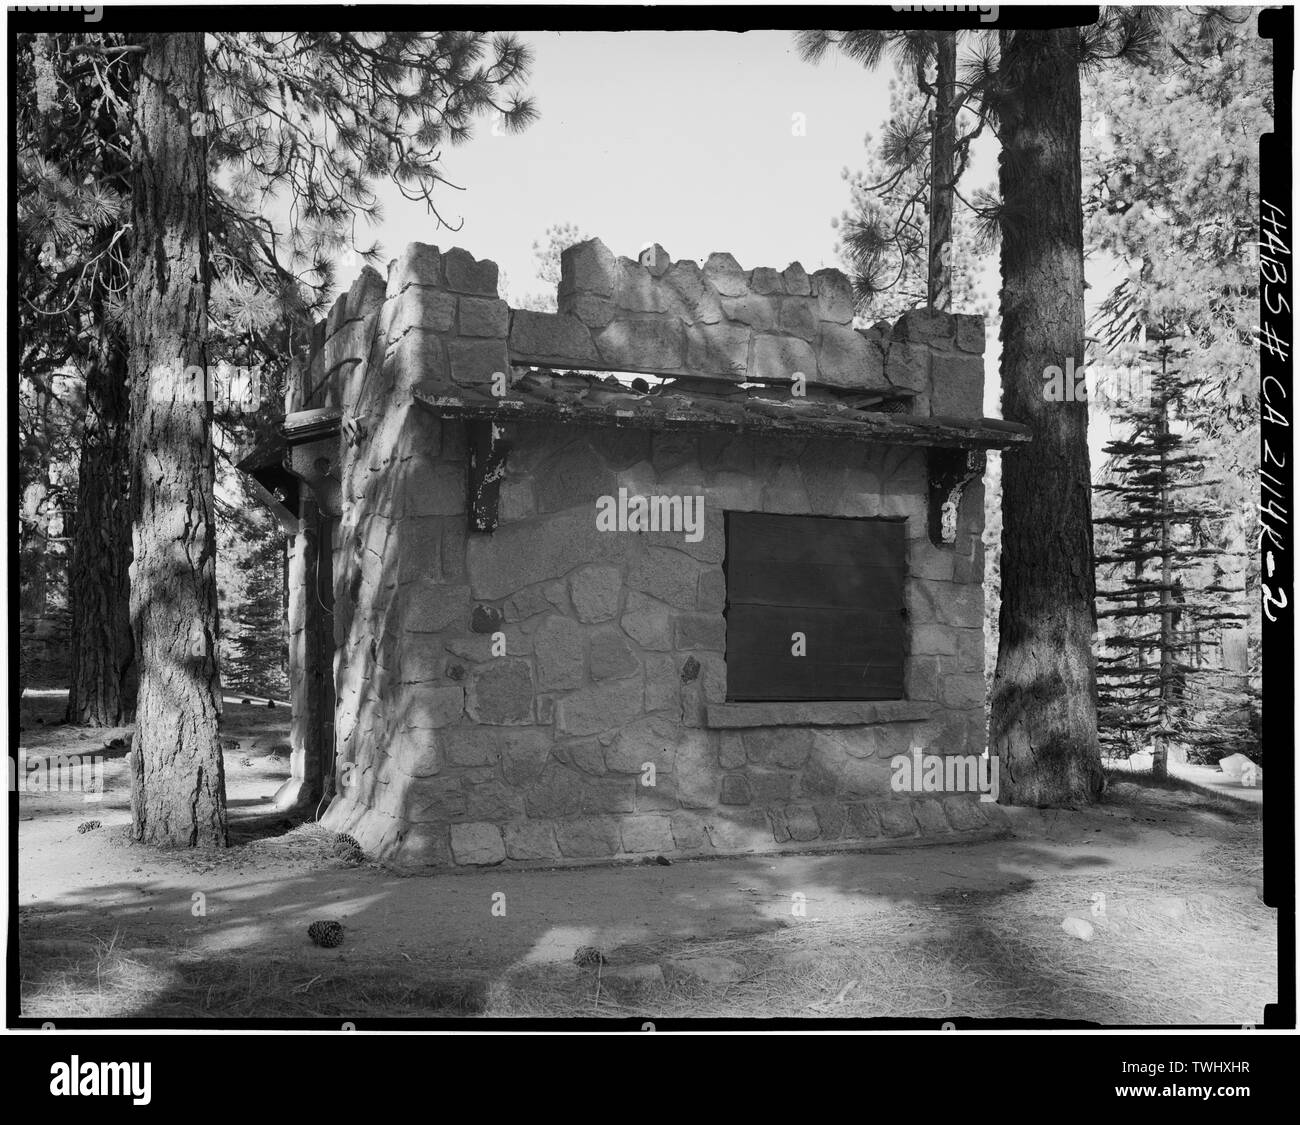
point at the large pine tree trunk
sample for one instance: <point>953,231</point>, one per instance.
<point>100,691</point>
<point>1044,706</point>
<point>178,787</point>
<point>943,140</point>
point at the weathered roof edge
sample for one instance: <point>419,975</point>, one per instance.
<point>754,416</point>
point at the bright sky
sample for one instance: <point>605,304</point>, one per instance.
<point>682,138</point>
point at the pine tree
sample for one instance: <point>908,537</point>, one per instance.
<point>1025,86</point>
<point>1171,196</point>
<point>212,132</point>
<point>883,233</point>
<point>922,157</point>
<point>1164,550</point>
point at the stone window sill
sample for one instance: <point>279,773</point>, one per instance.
<point>819,714</point>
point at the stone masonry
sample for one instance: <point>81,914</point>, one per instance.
<point>547,692</point>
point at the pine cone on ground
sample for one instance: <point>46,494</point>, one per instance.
<point>328,935</point>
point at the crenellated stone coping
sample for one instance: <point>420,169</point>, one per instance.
<point>438,317</point>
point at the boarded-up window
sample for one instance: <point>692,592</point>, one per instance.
<point>838,583</point>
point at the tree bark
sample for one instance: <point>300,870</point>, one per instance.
<point>1044,708</point>
<point>178,785</point>
<point>102,653</point>
<point>943,140</point>
<point>34,519</point>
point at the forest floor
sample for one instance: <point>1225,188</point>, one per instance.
<point>1166,876</point>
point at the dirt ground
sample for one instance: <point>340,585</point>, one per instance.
<point>1165,878</point>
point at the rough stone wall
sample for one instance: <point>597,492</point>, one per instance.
<point>451,752</point>
<point>677,319</point>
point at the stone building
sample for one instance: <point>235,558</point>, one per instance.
<point>694,605</point>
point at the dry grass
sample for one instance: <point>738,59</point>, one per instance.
<point>1183,946</point>
<point>1175,947</point>
<point>105,981</point>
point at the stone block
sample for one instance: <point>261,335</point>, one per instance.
<point>659,797</point>
<point>588,266</point>
<point>685,283</point>
<point>799,318</point>
<point>861,821</point>
<point>655,259</point>
<point>778,359</point>
<point>594,312</point>
<point>647,833</point>
<point>560,657</point>
<point>517,500</point>
<point>964,813</point>
<point>418,264</point>
<point>415,357</point>
<point>962,690</point>
<point>718,349</point>
<point>662,683</point>
<point>758,312</point>
<point>423,846</point>
<point>652,739</point>
<point>933,640</point>
<point>832,816</point>
<point>711,592</point>
<point>845,359</point>
<point>669,575</point>
<point>517,556</point>
<point>603,707</point>
<point>929,815</point>
<point>731,750</point>
<point>589,837</point>
<point>795,823</point>
<point>465,274</point>
<point>771,788</point>
<point>539,337</point>
<point>531,839</point>
<point>433,707</point>
<point>796,280</point>
<point>648,623</point>
<point>576,475</point>
<point>477,844</point>
<point>725,274</point>
<point>432,489</point>
<point>492,800</point>
<point>636,290</point>
<point>970,333</point>
<point>474,363</point>
<point>696,771</point>
<point>688,832</point>
<point>652,345</point>
<point>896,818</point>
<point>956,386</point>
<point>595,592</point>
<point>700,631</point>
<point>611,656</point>
<point>735,789</point>
<point>907,366</point>
<point>559,791</point>
<point>501,693</point>
<point>786,747</point>
<point>834,296</point>
<point>926,326</point>
<point>416,307</point>
<point>741,830</point>
<point>481,316</point>
<point>921,678</point>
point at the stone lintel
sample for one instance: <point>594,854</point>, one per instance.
<point>824,714</point>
